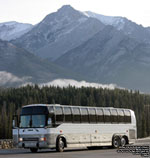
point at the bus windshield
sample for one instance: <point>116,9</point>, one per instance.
<point>31,121</point>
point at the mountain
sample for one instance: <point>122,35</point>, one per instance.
<point>129,28</point>
<point>111,57</point>
<point>19,66</point>
<point>117,22</point>
<point>59,32</point>
<point>12,30</point>
<point>101,48</point>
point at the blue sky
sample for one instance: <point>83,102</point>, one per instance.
<point>33,11</point>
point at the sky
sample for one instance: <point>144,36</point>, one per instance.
<point>33,11</point>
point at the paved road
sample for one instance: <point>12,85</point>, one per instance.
<point>73,153</point>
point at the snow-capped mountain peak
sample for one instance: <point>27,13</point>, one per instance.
<point>117,22</point>
<point>12,30</point>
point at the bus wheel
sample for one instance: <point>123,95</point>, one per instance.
<point>116,142</point>
<point>123,141</point>
<point>33,150</point>
<point>60,145</point>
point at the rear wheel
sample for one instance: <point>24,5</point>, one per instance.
<point>116,142</point>
<point>33,150</point>
<point>123,141</point>
<point>60,145</point>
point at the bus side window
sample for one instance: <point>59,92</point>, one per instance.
<point>51,114</point>
<point>120,116</point>
<point>68,114</point>
<point>114,116</point>
<point>59,114</point>
<point>76,115</point>
<point>92,115</point>
<point>127,116</point>
<point>100,116</point>
<point>107,116</point>
<point>84,115</point>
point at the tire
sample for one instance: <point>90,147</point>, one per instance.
<point>33,150</point>
<point>60,145</point>
<point>123,141</point>
<point>116,142</point>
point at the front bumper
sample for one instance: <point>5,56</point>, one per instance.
<point>33,144</point>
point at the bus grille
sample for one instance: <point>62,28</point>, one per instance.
<point>30,139</point>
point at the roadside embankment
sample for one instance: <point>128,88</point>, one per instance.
<point>143,141</point>
<point>6,143</point>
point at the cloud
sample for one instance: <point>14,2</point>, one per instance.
<point>69,82</point>
<point>7,78</point>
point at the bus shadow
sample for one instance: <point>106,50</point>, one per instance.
<point>88,149</point>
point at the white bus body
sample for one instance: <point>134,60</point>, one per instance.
<point>64,126</point>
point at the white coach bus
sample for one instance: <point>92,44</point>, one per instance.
<point>62,126</point>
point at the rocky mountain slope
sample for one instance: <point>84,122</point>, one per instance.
<point>12,30</point>
<point>111,57</point>
<point>20,67</point>
<point>59,32</point>
<point>128,27</point>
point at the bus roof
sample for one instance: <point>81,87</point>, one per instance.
<point>48,105</point>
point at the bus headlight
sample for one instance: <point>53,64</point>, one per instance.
<point>43,139</point>
<point>20,139</point>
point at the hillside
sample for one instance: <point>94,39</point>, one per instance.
<point>23,67</point>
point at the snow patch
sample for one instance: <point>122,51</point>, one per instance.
<point>13,30</point>
<point>117,22</point>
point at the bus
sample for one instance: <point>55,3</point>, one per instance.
<point>55,126</point>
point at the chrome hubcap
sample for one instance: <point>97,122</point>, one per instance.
<point>61,144</point>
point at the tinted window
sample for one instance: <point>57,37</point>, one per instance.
<point>120,116</point>
<point>32,121</point>
<point>127,118</point>
<point>25,121</point>
<point>100,115</point>
<point>114,116</point>
<point>51,114</point>
<point>38,121</point>
<point>68,115</point>
<point>92,115</point>
<point>76,115</point>
<point>51,109</point>
<point>59,114</point>
<point>84,115</point>
<point>34,110</point>
<point>107,117</point>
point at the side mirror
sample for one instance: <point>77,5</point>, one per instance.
<point>13,124</point>
<point>15,121</point>
<point>49,122</point>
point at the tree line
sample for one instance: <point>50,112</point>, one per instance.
<point>12,99</point>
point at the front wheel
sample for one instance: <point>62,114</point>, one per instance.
<point>116,142</point>
<point>33,150</point>
<point>60,145</point>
